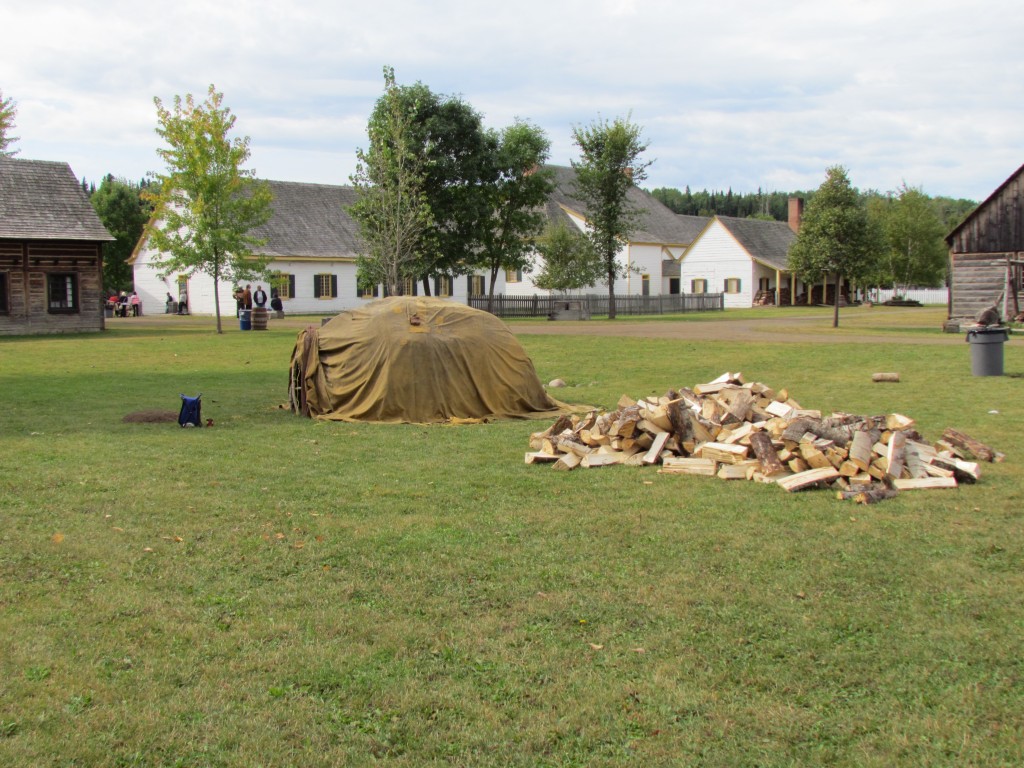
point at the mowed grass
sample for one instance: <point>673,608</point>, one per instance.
<point>274,591</point>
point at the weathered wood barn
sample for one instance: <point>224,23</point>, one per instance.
<point>986,253</point>
<point>51,251</point>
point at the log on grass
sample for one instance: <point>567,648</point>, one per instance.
<point>808,478</point>
<point>540,457</point>
<point>688,466</point>
<point>893,378</point>
<point>975,448</point>
<point>567,462</point>
<point>923,483</point>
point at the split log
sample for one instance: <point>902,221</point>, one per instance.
<point>963,471</point>
<point>688,466</point>
<point>924,483</point>
<point>723,452</point>
<point>894,421</point>
<point>738,402</point>
<point>894,456</point>
<point>775,408</point>
<point>592,460</point>
<point>571,445</point>
<point>567,462</point>
<point>735,471</point>
<point>808,478</point>
<point>766,454</point>
<point>975,448</point>
<point>538,457</point>
<point>814,458</point>
<point>654,452</point>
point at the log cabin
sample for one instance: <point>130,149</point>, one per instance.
<point>986,253</point>
<point>51,251</point>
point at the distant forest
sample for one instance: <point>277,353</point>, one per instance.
<point>761,205</point>
<point>775,205</point>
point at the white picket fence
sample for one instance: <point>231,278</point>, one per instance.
<point>924,295</point>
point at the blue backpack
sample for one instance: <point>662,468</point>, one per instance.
<point>190,415</point>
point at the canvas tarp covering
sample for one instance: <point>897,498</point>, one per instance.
<point>417,360</point>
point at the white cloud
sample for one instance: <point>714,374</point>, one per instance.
<point>743,94</point>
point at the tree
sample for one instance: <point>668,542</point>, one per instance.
<point>914,251</point>
<point>835,235</point>
<point>518,189</point>
<point>570,261</point>
<point>456,155</point>
<point>391,208</point>
<point>208,204</point>
<point>8,111</point>
<point>608,169</point>
<point>118,204</point>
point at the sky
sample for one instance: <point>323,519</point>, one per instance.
<point>739,94</point>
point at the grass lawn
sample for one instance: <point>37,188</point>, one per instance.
<point>279,592</point>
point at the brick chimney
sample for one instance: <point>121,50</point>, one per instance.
<point>796,212</point>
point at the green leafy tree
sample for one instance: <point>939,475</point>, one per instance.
<point>208,203</point>
<point>914,251</point>
<point>608,168</point>
<point>118,204</point>
<point>569,260</point>
<point>518,188</point>
<point>8,111</point>
<point>457,159</point>
<point>836,237</point>
<point>391,208</point>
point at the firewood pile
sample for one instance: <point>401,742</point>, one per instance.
<point>735,430</point>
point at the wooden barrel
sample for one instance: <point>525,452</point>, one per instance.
<point>259,318</point>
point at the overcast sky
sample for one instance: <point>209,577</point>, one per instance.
<point>735,93</point>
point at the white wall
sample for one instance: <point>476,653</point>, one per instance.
<point>714,257</point>
<point>153,290</point>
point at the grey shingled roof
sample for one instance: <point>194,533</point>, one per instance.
<point>691,225</point>
<point>765,241</point>
<point>42,200</point>
<point>310,220</point>
<point>659,224</point>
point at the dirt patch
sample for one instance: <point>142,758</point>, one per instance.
<point>151,417</point>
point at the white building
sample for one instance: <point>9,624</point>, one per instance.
<point>746,259</point>
<point>312,243</point>
<point>651,255</point>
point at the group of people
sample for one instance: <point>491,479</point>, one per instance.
<point>246,298</point>
<point>125,304</point>
<point>179,307</point>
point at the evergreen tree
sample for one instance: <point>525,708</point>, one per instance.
<point>123,213</point>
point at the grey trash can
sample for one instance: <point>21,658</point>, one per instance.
<point>987,350</point>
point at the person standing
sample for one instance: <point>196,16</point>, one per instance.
<point>247,297</point>
<point>260,297</point>
<point>182,300</point>
<point>136,303</point>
